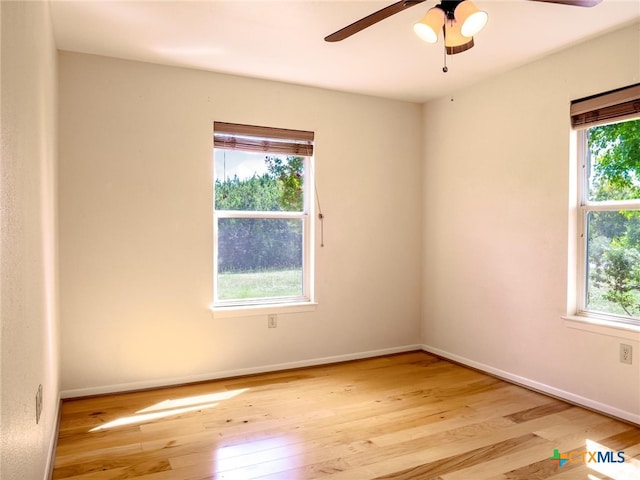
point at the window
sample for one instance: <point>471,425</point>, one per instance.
<point>262,215</point>
<point>608,131</point>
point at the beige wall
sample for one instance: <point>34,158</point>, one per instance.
<point>497,225</point>
<point>136,225</point>
<point>28,288</point>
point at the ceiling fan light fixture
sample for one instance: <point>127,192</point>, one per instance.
<point>470,17</point>
<point>454,41</point>
<point>453,49</point>
<point>430,25</point>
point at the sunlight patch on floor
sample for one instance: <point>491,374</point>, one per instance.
<point>257,458</point>
<point>168,408</point>
<point>195,400</point>
<point>616,469</point>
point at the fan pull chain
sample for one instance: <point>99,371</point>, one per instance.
<point>445,69</point>
<point>320,216</point>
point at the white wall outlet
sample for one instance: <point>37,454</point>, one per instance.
<point>272,320</point>
<point>626,352</point>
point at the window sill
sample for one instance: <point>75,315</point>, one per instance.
<point>602,326</point>
<point>255,310</point>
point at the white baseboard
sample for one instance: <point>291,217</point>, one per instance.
<point>165,382</point>
<point>53,441</point>
<point>537,386</point>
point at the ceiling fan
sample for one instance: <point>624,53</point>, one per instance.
<point>459,20</point>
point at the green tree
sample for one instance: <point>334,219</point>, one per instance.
<point>619,273</point>
<point>252,244</point>
<point>614,237</point>
<point>616,174</point>
<point>260,193</point>
<point>290,175</point>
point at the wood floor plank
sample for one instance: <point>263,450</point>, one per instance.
<point>405,416</point>
<point>535,463</point>
<point>552,406</point>
<point>406,455</point>
<point>465,460</point>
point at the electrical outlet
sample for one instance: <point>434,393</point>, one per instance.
<point>38,403</point>
<point>626,352</point>
<point>272,321</point>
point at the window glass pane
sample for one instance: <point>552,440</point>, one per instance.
<point>614,161</point>
<point>258,182</point>
<point>259,258</point>
<point>613,262</point>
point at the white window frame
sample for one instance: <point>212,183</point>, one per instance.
<point>585,206</point>
<point>303,302</point>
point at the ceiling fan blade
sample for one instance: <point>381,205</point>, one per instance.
<point>371,19</point>
<point>575,3</point>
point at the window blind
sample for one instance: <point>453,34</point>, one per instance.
<point>253,138</point>
<point>615,105</point>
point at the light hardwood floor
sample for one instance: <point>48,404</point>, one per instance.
<point>407,416</point>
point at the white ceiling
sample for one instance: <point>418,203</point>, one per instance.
<point>283,40</point>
